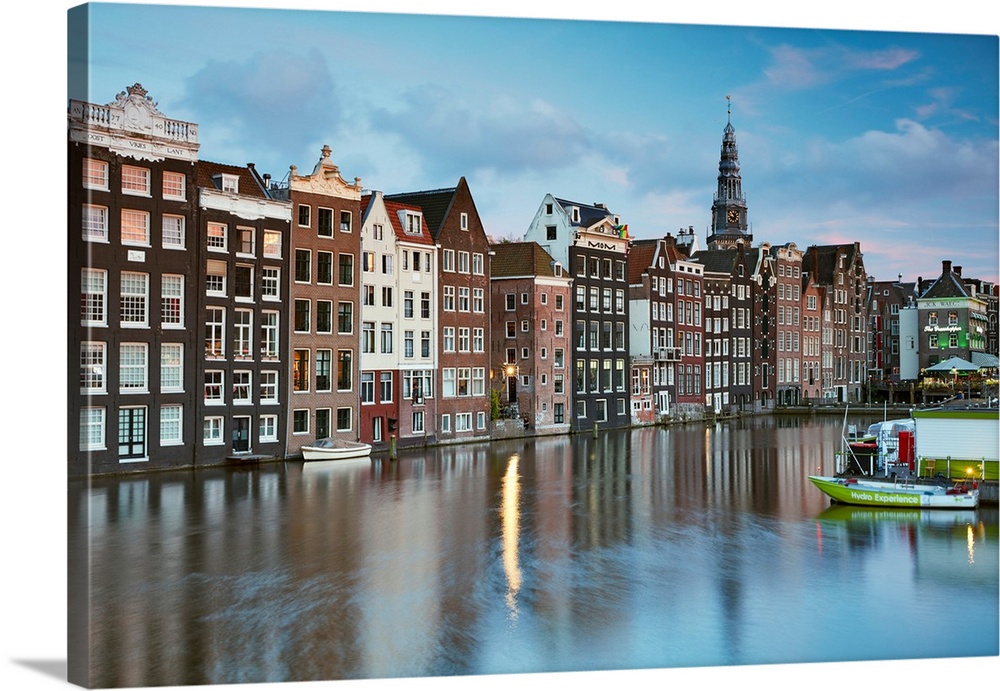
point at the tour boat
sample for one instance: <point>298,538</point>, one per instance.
<point>335,450</point>
<point>899,494</point>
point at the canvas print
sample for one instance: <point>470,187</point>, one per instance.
<point>414,347</point>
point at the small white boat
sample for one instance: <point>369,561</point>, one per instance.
<point>335,450</point>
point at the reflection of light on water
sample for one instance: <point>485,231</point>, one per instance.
<point>510,519</point>
<point>970,540</point>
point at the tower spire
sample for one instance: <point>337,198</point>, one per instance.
<point>729,206</point>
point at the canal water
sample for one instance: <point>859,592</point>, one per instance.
<point>674,547</point>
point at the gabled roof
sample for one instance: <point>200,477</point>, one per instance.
<point>434,204</point>
<point>821,261</point>
<point>640,258</point>
<point>392,208</point>
<point>208,173</point>
<point>589,213</point>
<point>948,285</point>
<point>512,259</point>
<point>717,261</point>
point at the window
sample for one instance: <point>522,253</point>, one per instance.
<point>269,335</point>
<point>387,339</point>
<point>385,387</point>
<point>346,269</point>
<point>425,304</point>
<point>345,221</point>
<point>478,340</point>
<point>95,175</point>
<point>367,388</point>
<point>449,299</point>
<point>323,362</point>
<point>463,299</point>
<point>246,241</point>
<point>92,429</point>
<point>242,388</point>
<point>345,419</point>
<point>463,339</point>
<point>345,375</point>
<point>387,264</point>
<point>93,297</point>
<point>133,367</point>
<point>368,262</point>
<point>212,431</point>
<point>243,282</point>
<point>411,223</point>
<point>303,266</point>
<point>171,367</point>
<point>272,244</point>
<point>174,185</point>
<point>368,337</point>
<point>218,234</point>
<point>446,423</point>
<point>243,333</point>
<point>368,296</point>
<point>135,227</point>
<point>463,262</point>
<point>228,183</point>
<point>304,211</point>
<point>477,263</point>
<point>173,231</point>
<point>134,299</point>
<point>448,339</point>
<point>268,430</point>
<point>300,370</point>
<point>270,283</point>
<point>463,422</point>
<point>448,260</point>
<point>463,221</point>
<point>268,387</point>
<point>135,180</point>
<point>324,316</point>
<point>302,308</point>
<point>93,359</point>
<point>214,383</point>
<point>425,344</point>
<point>170,425</point>
<point>215,326</point>
<point>324,268</point>
<point>215,278</point>
<point>300,422</point>
<point>324,222</point>
<point>95,223</point>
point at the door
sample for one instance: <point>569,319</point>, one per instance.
<point>241,434</point>
<point>132,432</point>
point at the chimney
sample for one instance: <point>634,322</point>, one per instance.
<point>267,181</point>
<point>946,266</point>
<point>958,270</point>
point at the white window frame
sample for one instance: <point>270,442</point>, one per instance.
<point>213,430</point>
<point>135,227</point>
<point>136,181</point>
<point>173,234</point>
<point>129,366</point>
<point>93,428</point>
<point>93,367</point>
<point>95,174</point>
<point>173,180</point>
<point>171,424</point>
<point>171,367</point>
<point>95,223</point>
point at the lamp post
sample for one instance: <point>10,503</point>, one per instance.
<point>954,380</point>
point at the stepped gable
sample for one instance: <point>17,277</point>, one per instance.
<point>512,259</point>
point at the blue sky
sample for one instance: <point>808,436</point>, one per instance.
<point>886,137</point>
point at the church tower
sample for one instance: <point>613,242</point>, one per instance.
<point>729,208</point>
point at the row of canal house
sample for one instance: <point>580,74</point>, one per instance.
<point>218,314</point>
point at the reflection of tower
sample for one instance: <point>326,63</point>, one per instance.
<point>729,207</point>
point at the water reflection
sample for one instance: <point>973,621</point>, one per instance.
<point>662,547</point>
<point>510,523</point>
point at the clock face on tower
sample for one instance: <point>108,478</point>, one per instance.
<point>733,216</point>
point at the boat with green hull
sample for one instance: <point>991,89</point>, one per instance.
<point>870,492</point>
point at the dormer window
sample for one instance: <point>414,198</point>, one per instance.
<point>411,222</point>
<point>227,182</point>
<point>575,214</point>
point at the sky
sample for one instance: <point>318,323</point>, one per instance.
<point>884,137</point>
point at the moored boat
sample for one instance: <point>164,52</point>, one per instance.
<point>870,492</point>
<point>335,449</point>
